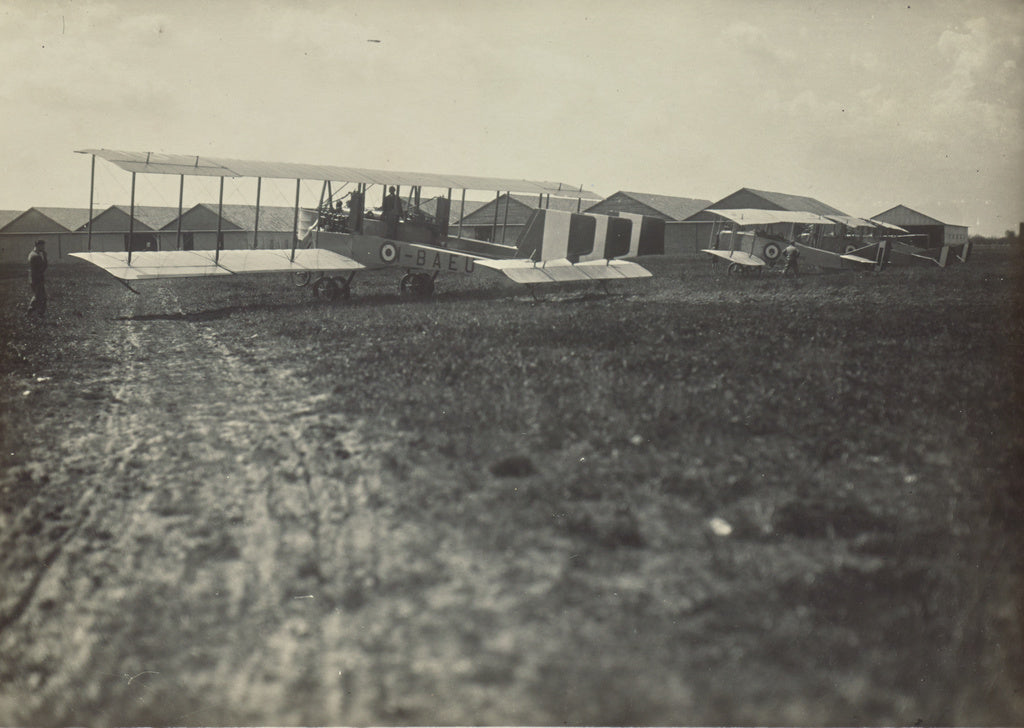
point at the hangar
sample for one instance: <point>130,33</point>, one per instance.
<point>673,210</point>
<point>55,225</point>
<point>239,227</point>
<point>939,233</point>
<point>110,229</point>
<point>502,219</point>
<point>701,223</point>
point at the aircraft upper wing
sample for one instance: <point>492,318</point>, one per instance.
<point>849,221</point>
<point>196,263</point>
<point>889,226</point>
<point>196,165</point>
<point>770,217</point>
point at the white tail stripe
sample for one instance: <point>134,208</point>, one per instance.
<point>600,238</point>
<point>555,242</point>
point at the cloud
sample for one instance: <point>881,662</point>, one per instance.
<point>757,42</point>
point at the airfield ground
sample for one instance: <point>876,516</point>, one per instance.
<point>224,503</point>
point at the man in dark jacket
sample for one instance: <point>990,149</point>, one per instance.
<point>392,210</point>
<point>36,267</point>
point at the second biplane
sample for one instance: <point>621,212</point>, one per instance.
<point>751,250</point>
<point>330,246</point>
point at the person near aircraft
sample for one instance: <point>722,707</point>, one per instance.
<point>792,254</point>
<point>36,268</point>
<point>392,211</point>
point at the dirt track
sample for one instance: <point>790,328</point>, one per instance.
<point>205,549</point>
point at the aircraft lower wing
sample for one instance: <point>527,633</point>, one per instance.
<point>904,254</point>
<point>521,270</point>
<point>197,263</point>
<point>856,259</point>
<point>736,256</point>
<point>828,259</point>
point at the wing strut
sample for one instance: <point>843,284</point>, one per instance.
<point>494,230</point>
<point>504,223</point>
<point>295,225</point>
<point>92,185</point>
<point>131,222</point>
<point>256,225</point>
<point>462,212</point>
<point>181,201</point>
<point>220,219</point>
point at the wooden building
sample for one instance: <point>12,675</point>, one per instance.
<point>699,231</point>
<point>56,225</point>
<point>673,210</point>
<point>916,223</point>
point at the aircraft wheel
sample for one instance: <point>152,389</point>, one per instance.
<point>302,278</point>
<point>422,286</point>
<point>734,269</point>
<point>330,289</point>
<point>344,289</point>
<point>417,285</point>
<point>849,249</point>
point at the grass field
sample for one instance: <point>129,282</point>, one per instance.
<point>692,500</point>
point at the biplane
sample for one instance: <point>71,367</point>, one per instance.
<point>914,249</point>
<point>753,250</point>
<point>330,245</point>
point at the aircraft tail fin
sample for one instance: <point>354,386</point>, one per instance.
<point>882,255</point>
<point>648,236</point>
<point>965,252</point>
<point>556,235</point>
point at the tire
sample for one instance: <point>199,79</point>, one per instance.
<point>850,247</point>
<point>416,286</point>
<point>734,269</point>
<point>422,285</point>
<point>328,289</point>
<point>301,278</point>
<point>344,289</point>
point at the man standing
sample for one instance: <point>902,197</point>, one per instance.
<point>792,253</point>
<point>36,267</point>
<point>392,210</point>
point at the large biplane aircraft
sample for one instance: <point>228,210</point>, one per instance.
<point>752,250</point>
<point>329,245</point>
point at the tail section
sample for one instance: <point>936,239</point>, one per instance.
<point>554,235</point>
<point>565,246</point>
<point>882,256</point>
<point>611,238</point>
<point>965,252</point>
<point>648,236</point>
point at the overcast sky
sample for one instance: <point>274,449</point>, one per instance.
<point>863,104</point>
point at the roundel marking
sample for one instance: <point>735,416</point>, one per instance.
<point>772,251</point>
<point>388,252</point>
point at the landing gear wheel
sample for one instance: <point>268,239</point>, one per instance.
<point>301,278</point>
<point>417,285</point>
<point>734,269</point>
<point>332,289</point>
